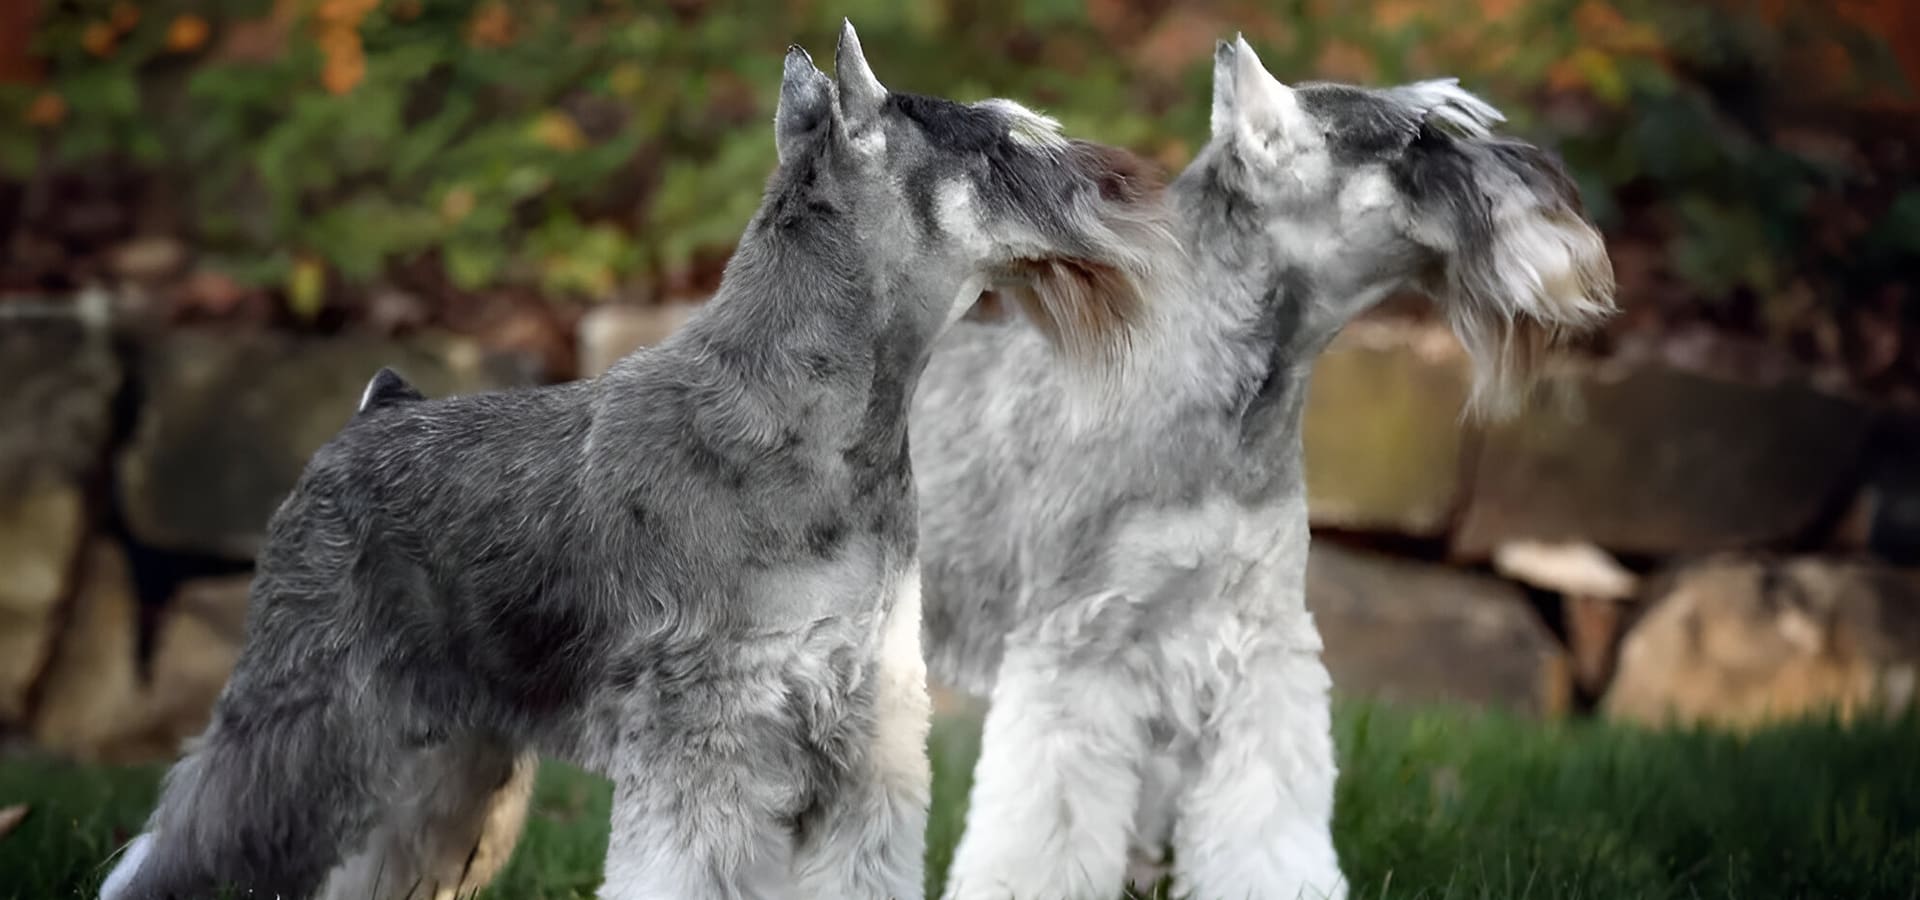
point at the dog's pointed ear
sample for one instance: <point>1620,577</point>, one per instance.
<point>387,388</point>
<point>1263,109</point>
<point>860,92</point>
<point>805,113</point>
<point>1222,86</point>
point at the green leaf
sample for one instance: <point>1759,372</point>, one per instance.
<point>470,264</point>
<point>306,289</point>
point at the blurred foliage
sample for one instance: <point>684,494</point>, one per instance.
<point>593,148</point>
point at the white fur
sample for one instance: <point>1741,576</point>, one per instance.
<point>1446,102</point>
<point>1062,769</point>
<point>131,857</point>
<point>1027,127</point>
<point>889,823</point>
<point>1088,726</point>
<point>1272,127</point>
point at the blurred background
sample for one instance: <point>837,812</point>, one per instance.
<point>219,217</point>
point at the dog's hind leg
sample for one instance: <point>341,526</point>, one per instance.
<point>870,842</point>
<point>449,828</point>
<point>1256,820</point>
<point>264,802</point>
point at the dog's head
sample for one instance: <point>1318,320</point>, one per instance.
<point>990,193</point>
<point>1365,191</point>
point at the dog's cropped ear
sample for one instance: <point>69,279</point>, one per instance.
<point>1520,264</point>
<point>861,94</point>
<point>805,114</point>
<point>1266,117</point>
<point>1222,87</point>
<point>387,388</point>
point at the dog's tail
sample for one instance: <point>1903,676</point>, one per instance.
<point>262,803</point>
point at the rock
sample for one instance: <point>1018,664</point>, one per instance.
<point>228,424</point>
<point>40,532</point>
<point>90,694</point>
<point>1593,589</point>
<point>1573,568</point>
<point>198,642</point>
<point>610,331</point>
<point>1892,528</point>
<point>391,310</point>
<point>1741,642</point>
<point>1659,462</point>
<point>212,293</point>
<point>1593,626</point>
<point>148,258</point>
<point>1383,434</point>
<point>61,378</point>
<point>1417,632</point>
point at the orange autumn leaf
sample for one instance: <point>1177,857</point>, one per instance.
<point>344,60</point>
<point>345,12</point>
<point>344,63</point>
<point>1565,76</point>
<point>98,38</point>
<point>124,16</point>
<point>1596,19</point>
<point>1393,15</point>
<point>187,33</point>
<point>1497,10</point>
<point>1343,61</point>
<point>491,26</point>
<point>343,73</point>
<point>1606,26</point>
<point>47,110</point>
<point>1828,61</point>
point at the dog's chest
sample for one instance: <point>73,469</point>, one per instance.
<point>847,584</point>
<point>1201,550</point>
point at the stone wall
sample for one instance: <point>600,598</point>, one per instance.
<point>1644,541</point>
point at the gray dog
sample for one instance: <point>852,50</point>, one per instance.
<point>1128,587</point>
<point>697,574</point>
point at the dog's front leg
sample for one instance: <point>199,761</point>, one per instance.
<point>701,800</point>
<point>1256,820</point>
<point>871,843</point>
<point>1058,781</point>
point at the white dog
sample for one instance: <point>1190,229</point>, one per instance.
<point>1130,590</point>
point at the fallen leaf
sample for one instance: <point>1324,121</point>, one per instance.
<point>10,817</point>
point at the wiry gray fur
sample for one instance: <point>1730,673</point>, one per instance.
<point>688,574</point>
<point>1129,589</point>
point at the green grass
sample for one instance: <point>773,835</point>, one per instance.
<point>1433,805</point>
